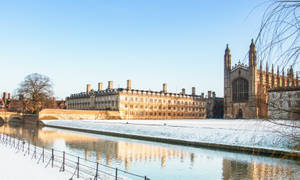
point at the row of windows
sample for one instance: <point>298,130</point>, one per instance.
<point>153,100</point>
<point>163,114</point>
<point>163,108</point>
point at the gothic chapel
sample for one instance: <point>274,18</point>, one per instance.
<point>246,87</point>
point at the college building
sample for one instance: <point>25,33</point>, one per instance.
<point>246,87</point>
<point>140,104</point>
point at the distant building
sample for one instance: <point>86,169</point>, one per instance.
<point>246,87</point>
<point>284,103</point>
<point>5,101</point>
<point>214,106</point>
<point>140,104</point>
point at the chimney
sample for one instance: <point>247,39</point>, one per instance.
<point>129,84</point>
<point>88,88</point>
<point>8,96</point>
<point>164,87</point>
<point>21,97</point>
<point>110,85</point>
<point>214,95</point>
<point>100,86</point>
<point>202,95</point>
<point>209,94</point>
<point>4,97</point>
<point>193,91</point>
<point>183,91</point>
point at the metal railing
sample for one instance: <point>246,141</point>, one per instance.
<point>76,166</point>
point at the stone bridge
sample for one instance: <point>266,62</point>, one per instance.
<point>8,116</point>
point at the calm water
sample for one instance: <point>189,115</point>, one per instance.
<point>158,160</point>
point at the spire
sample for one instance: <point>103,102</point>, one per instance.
<point>267,75</point>
<point>292,76</point>
<point>227,58</point>
<point>227,50</point>
<point>273,80</point>
<point>297,80</point>
<point>283,78</point>
<point>252,55</point>
<point>278,77</point>
<point>252,45</point>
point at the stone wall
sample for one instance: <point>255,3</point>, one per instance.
<point>63,114</point>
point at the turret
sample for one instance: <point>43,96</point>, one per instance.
<point>297,80</point>
<point>273,80</point>
<point>278,77</point>
<point>252,55</point>
<point>283,79</point>
<point>227,59</point>
<point>267,75</point>
<point>292,76</point>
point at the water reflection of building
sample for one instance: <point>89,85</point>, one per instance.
<point>107,150</point>
<point>254,170</point>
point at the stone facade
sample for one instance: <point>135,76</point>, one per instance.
<point>140,104</point>
<point>246,87</point>
<point>284,103</point>
<point>214,106</point>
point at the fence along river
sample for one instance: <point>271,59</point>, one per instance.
<point>156,160</point>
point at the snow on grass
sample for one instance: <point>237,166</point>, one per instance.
<point>16,166</point>
<point>250,133</point>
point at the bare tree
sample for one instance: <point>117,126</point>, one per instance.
<point>36,90</point>
<point>278,37</point>
<point>278,43</point>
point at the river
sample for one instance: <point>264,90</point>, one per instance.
<point>158,160</point>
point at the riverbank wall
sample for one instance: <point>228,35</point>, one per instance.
<point>63,114</point>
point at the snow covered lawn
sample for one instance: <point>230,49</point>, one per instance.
<point>15,166</point>
<point>250,133</point>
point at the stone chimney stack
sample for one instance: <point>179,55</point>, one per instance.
<point>4,97</point>
<point>183,91</point>
<point>202,95</point>
<point>164,87</point>
<point>214,95</point>
<point>100,86</point>
<point>110,85</point>
<point>128,84</point>
<point>209,94</point>
<point>88,88</point>
<point>8,96</point>
<point>193,91</point>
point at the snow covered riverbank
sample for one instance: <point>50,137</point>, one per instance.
<point>247,133</point>
<point>17,166</point>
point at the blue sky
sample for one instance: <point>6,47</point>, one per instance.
<point>74,42</point>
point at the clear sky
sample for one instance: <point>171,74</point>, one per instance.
<point>151,42</point>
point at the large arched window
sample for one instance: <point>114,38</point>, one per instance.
<point>240,90</point>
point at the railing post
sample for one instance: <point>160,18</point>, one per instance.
<point>43,154</point>
<point>28,148</point>
<point>96,176</point>
<point>78,167</point>
<point>116,173</point>
<point>63,168</point>
<point>34,151</point>
<point>52,157</point>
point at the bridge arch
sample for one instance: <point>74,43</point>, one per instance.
<point>1,120</point>
<point>15,119</point>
